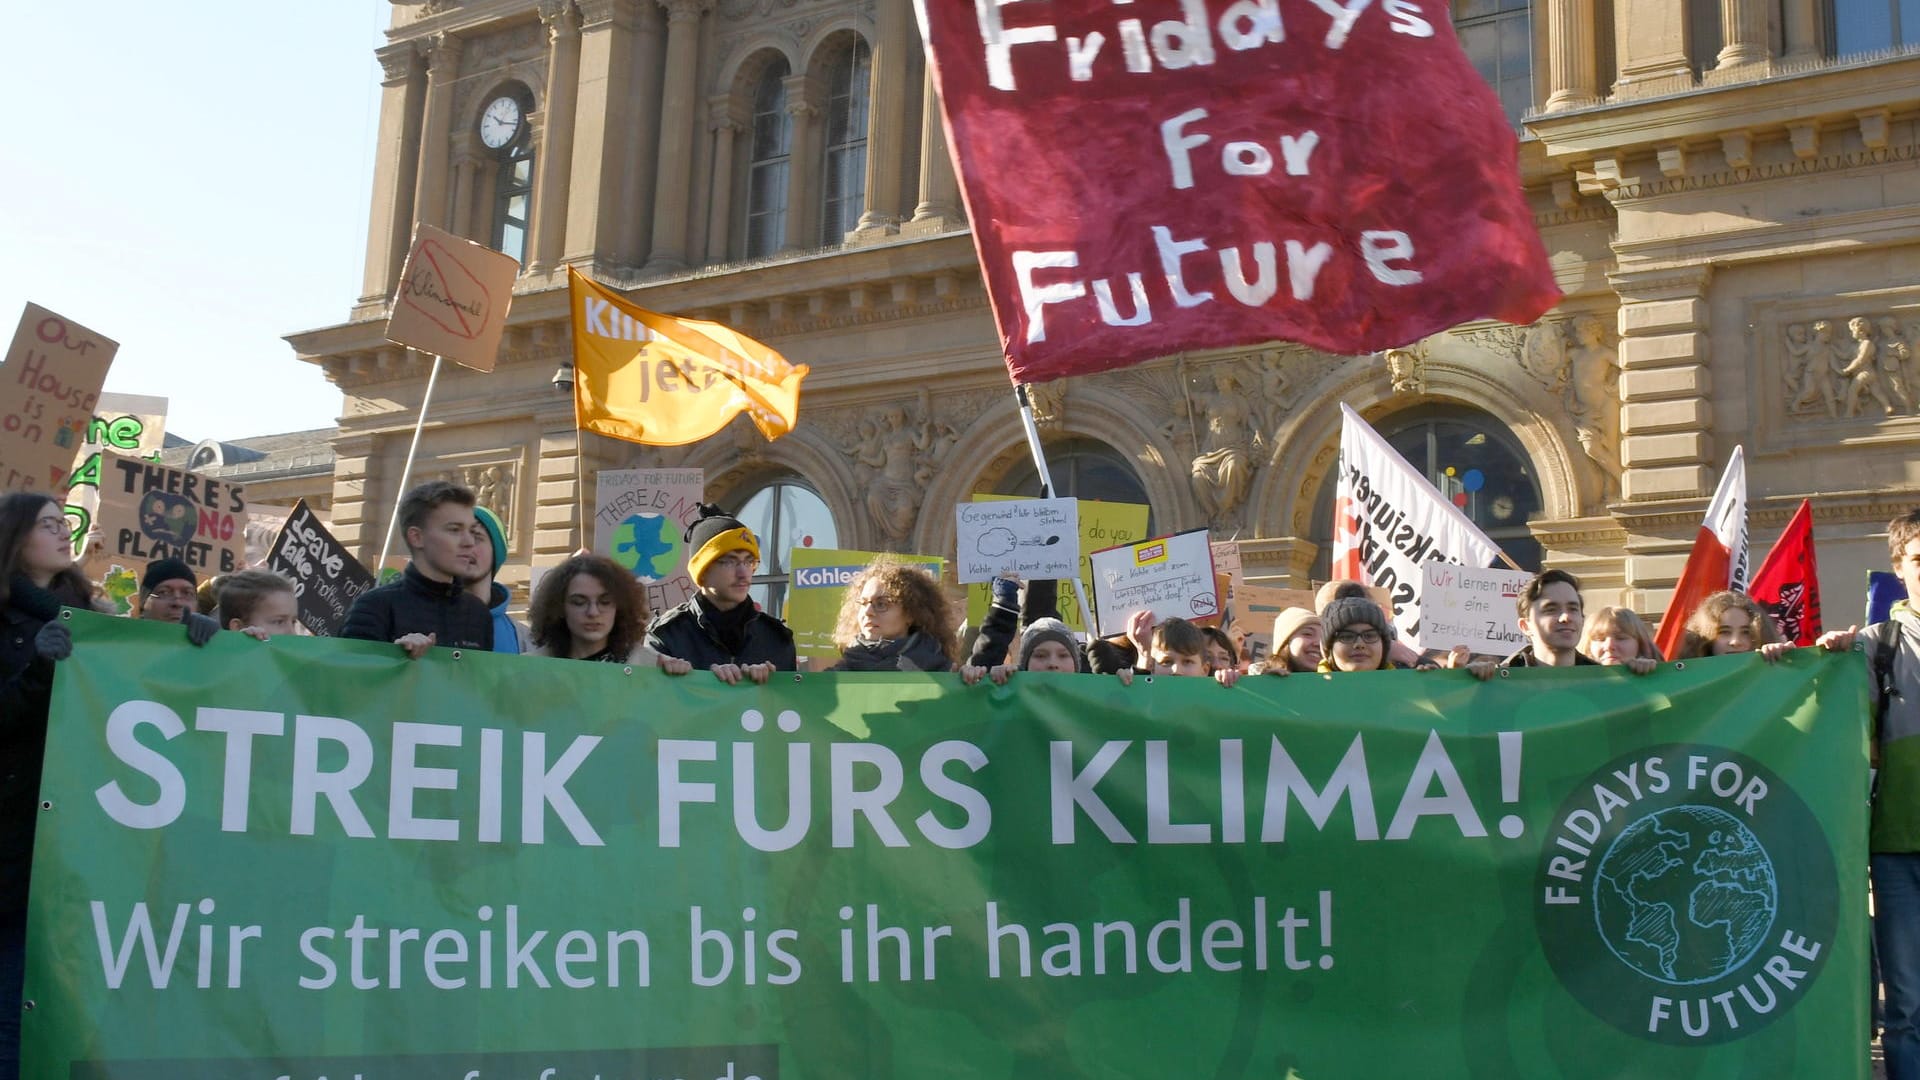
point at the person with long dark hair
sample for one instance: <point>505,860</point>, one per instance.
<point>37,579</point>
<point>592,608</point>
<point>894,619</point>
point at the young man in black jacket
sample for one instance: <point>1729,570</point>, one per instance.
<point>429,605</point>
<point>720,629</point>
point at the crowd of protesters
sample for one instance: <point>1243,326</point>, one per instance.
<point>894,617</point>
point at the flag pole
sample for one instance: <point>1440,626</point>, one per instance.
<point>1046,491</point>
<point>406,471</point>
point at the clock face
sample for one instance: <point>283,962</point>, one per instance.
<point>1502,507</point>
<point>500,123</point>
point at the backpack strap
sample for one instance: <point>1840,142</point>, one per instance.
<point>1883,646</point>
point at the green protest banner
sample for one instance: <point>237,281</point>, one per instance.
<point>819,584</point>
<point>311,857</point>
<point>1102,525</point>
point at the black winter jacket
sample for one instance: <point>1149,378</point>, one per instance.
<point>26,692</point>
<point>685,633</point>
<point>417,605</point>
<point>915,652</point>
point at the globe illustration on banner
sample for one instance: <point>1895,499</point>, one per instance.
<point>649,545</point>
<point>1686,895</point>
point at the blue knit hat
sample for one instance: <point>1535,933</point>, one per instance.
<point>495,534</point>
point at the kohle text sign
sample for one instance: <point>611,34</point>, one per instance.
<point>1150,177</point>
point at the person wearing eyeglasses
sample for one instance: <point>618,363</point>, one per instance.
<point>592,608</point>
<point>170,593</point>
<point>719,629</point>
<point>1358,635</point>
<point>895,619</point>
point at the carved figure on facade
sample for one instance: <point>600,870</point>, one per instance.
<point>1875,364</point>
<point>1576,361</point>
<point>1227,440</point>
<point>1813,368</point>
<point>1407,370</point>
<point>1865,368</point>
<point>1049,401</point>
<point>896,456</point>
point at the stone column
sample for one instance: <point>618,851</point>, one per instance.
<point>549,225</point>
<point>396,164</point>
<point>1650,46</point>
<point>724,119</point>
<point>678,87</point>
<point>467,163</point>
<point>803,172</point>
<point>889,139</point>
<point>614,116</point>
<point>1666,417</point>
<point>436,132</point>
<point>1743,26</point>
<point>1800,30</point>
<point>1572,66</point>
<point>939,208</point>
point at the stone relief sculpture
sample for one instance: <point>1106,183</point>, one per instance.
<point>1577,362</point>
<point>1227,439</point>
<point>1407,370</point>
<point>896,456</point>
<point>1873,365</point>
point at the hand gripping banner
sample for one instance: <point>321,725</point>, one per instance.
<point>311,857</point>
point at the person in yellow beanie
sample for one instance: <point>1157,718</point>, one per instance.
<point>719,628</point>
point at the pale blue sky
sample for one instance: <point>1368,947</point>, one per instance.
<point>192,181</point>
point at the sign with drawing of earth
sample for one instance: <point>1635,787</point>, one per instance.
<point>649,545</point>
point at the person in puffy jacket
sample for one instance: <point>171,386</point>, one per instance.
<point>895,619</point>
<point>719,629</point>
<point>429,604</point>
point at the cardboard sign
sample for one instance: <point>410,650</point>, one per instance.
<point>1143,181</point>
<point>326,578</point>
<point>149,511</point>
<point>1102,525</point>
<point>817,588</point>
<point>1171,576</point>
<point>640,519</point>
<point>1226,561</point>
<point>453,298</point>
<point>128,424</point>
<point>1028,538</point>
<point>1471,606</point>
<point>49,388</point>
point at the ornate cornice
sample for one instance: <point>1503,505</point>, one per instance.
<point>397,62</point>
<point>1777,170</point>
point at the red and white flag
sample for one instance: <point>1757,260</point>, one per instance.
<point>1788,581</point>
<point>1719,557</point>
<point>1389,521</point>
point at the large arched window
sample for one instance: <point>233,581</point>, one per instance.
<point>769,162</point>
<point>785,514</point>
<point>848,73</point>
<point>1498,38</point>
<point>1474,460</point>
<point>1081,469</point>
<point>507,135</point>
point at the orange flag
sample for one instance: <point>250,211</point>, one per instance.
<point>663,381</point>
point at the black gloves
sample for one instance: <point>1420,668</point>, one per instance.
<point>200,629</point>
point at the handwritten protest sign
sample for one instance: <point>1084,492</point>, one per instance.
<point>819,584</point>
<point>1171,576</point>
<point>1471,606</point>
<point>453,298</point>
<point>1102,525</point>
<point>49,388</point>
<point>150,511</point>
<point>1229,174</point>
<point>1028,538</point>
<point>640,519</point>
<point>129,424</point>
<point>326,578</point>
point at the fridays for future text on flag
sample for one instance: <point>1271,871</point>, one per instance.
<point>1389,521</point>
<point>664,381</point>
<point>1159,176</point>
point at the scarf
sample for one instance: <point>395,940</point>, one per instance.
<point>728,627</point>
<point>915,652</point>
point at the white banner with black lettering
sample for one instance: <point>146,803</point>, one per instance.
<point>1389,520</point>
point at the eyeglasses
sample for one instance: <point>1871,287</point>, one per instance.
<point>879,605</point>
<point>56,525</point>
<point>1356,637</point>
<point>737,562</point>
<point>590,603</point>
<point>183,595</point>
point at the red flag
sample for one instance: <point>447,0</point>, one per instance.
<point>1719,557</point>
<point>1788,582</point>
<point>1144,179</point>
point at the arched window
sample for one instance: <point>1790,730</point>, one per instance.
<point>847,76</point>
<point>1081,469</point>
<point>770,163</point>
<point>785,515</point>
<point>1473,459</point>
<point>1498,38</point>
<point>507,135</point>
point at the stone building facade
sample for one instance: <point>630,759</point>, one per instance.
<point>1728,192</point>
